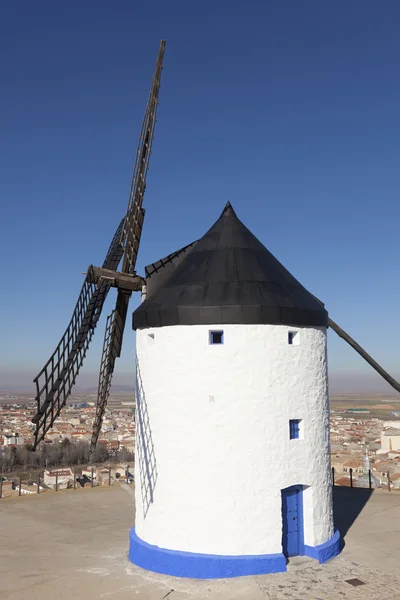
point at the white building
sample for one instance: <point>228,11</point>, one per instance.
<point>60,478</point>
<point>232,418</point>
<point>13,439</point>
<point>390,440</point>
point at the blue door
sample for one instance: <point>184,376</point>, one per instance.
<point>292,521</point>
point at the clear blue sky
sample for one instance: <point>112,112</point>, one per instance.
<point>288,109</point>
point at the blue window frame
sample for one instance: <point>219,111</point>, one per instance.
<point>216,337</point>
<point>294,429</point>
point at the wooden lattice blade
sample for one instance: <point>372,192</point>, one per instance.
<point>56,379</point>
<point>111,350</point>
<point>135,214</point>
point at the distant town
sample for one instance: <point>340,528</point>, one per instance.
<point>365,438</point>
<point>62,459</point>
<point>74,424</point>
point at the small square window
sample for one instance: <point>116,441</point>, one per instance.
<point>293,337</point>
<point>216,337</point>
<point>294,429</point>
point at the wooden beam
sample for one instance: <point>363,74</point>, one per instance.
<point>121,281</point>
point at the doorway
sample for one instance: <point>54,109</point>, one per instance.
<point>292,521</point>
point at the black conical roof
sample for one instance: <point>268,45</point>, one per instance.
<point>229,277</point>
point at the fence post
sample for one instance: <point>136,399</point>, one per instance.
<point>351,477</point>
<point>333,475</point>
<point>20,483</point>
<point>127,474</point>
<point>109,476</point>
<point>1,486</point>
<point>56,481</point>
<point>38,483</point>
<point>74,478</point>
<point>91,483</point>
<point>370,479</point>
<point>388,478</point>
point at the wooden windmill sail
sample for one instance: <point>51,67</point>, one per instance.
<point>55,381</point>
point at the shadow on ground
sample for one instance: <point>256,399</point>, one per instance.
<point>347,505</point>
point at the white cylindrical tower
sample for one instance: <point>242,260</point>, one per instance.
<point>232,419</point>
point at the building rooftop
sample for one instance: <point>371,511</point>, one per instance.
<point>74,543</point>
<point>391,432</point>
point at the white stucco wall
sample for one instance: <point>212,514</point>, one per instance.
<point>213,447</point>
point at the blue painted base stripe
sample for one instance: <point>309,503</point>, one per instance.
<point>200,566</point>
<point>326,551</point>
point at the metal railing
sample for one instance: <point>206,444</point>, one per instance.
<point>352,479</point>
<point>16,483</point>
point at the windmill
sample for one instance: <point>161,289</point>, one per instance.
<point>232,454</point>
<point>55,381</point>
<point>57,378</point>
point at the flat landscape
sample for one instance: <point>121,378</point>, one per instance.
<point>379,406</point>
